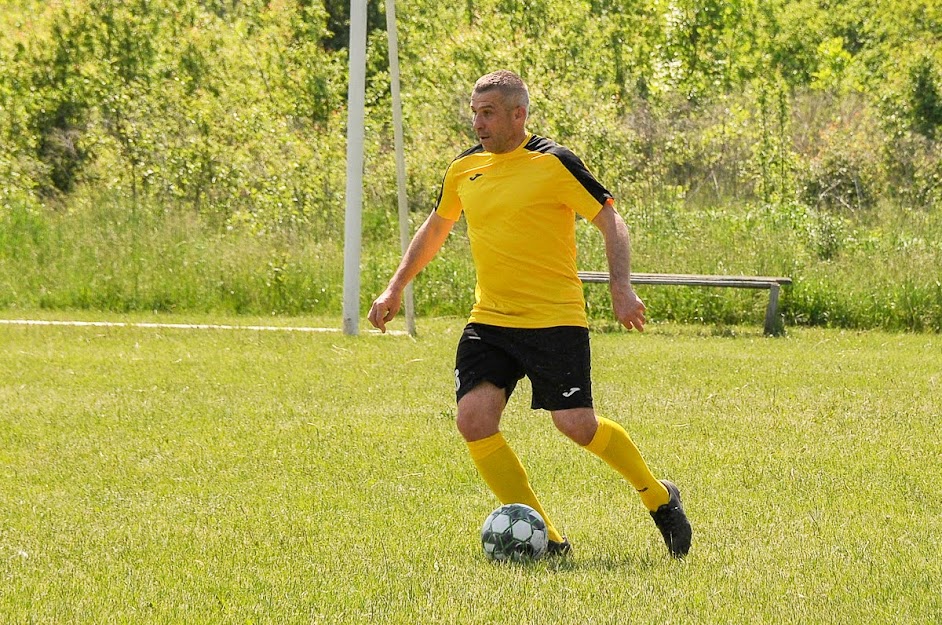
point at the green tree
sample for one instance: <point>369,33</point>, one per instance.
<point>925,97</point>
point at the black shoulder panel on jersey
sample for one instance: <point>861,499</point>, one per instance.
<point>470,151</point>
<point>572,163</point>
<point>441,187</point>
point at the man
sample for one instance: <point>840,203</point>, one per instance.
<point>520,194</point>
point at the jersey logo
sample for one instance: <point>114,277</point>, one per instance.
<point>571,391</point>
<point>475,176</point>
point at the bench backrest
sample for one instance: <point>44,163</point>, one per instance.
<point>683,279</point>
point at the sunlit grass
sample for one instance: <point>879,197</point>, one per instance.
<point>158,475</point>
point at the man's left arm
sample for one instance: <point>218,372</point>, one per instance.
<point>628,307</point>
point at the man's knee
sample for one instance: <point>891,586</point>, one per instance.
<point>579,424</point>
<point>479,411</point>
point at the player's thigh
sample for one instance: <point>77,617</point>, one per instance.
<point>559,364</point>
<point>481,357</point>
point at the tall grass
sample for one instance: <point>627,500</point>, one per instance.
<point>878,270</point>
<point>111,258</point>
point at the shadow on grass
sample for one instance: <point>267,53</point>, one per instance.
<point>608,562</point>
<point>598,562</point>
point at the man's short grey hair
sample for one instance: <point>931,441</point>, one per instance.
<point>510,85</point>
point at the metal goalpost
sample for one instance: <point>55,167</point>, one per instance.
<point>356,114</point>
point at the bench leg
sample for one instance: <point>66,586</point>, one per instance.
<point>771,313</point>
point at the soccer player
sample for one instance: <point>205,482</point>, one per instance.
<point>520,194</point>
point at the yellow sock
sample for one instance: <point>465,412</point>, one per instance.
<point>501,469</point>
<point>612,444</point>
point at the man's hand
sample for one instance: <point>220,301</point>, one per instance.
<point>629,309</point>
<point>425,244</point>
<point>384,308</point>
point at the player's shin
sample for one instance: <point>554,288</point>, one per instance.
<point>504,474</point>
<point>613,445</point>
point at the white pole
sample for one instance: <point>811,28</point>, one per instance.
<point>393,36</point>
<point>356,112</point>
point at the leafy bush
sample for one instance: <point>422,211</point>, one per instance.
<point>177,154</point>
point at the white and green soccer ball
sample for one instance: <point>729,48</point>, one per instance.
<point>514,532</point>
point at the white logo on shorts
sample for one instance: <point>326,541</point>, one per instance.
<point>457,381</point>
<point>571,391</point>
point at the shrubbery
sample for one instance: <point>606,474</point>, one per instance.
<point>754,137</point>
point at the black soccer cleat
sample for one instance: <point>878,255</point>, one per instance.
<point>554,548</point>
<point>672,521</point>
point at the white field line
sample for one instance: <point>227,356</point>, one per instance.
<point>178,326</point>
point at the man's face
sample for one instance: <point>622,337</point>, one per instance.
<point>498,124</point>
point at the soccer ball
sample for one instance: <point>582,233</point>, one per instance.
<point>514,532</point>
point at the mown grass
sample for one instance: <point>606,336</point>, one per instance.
<point>157,475</point>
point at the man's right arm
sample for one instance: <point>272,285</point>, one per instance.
<point>425,244</point>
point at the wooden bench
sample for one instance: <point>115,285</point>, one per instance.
<point>773,284</point>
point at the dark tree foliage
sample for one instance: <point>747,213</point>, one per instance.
<point>337,36</point>
<point>926,98</point>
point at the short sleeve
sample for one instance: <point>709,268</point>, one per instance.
<point>449,203</point>
<point>580,190</point>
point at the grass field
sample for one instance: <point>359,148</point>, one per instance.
<point>175,476</point>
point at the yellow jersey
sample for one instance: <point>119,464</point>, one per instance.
<point>520,208</point>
